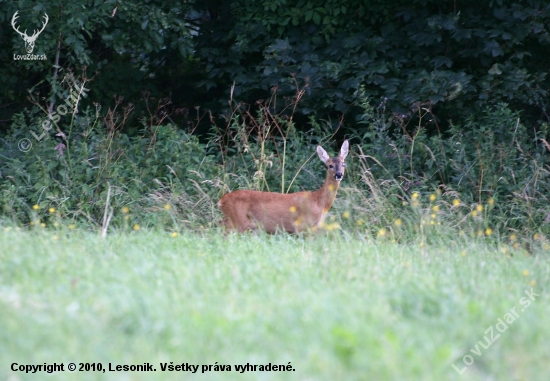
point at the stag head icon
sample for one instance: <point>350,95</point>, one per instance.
<point>29,40</point>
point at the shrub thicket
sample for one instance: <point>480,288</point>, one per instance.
<point>486,178</point>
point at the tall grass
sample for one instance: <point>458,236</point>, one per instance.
<point>405,179</point>
<point>433,237</point>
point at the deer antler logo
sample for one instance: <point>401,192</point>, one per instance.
<point>29,40</point>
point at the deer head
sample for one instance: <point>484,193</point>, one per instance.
<point>29,40</point>
<point>336,165</point>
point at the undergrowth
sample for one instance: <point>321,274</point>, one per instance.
<point>405,179</point>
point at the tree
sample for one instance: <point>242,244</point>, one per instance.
<point>121,45</point>
<point>454,57</point>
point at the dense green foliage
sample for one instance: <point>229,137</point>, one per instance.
<point>484,179</point>
<point>100,39</point>
<point>417,86</point>
<point>148,170</point>
<point>337,309</point>
<point>456,57</point>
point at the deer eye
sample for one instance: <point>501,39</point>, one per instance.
<point>331,166</point>
<point>343,164</point>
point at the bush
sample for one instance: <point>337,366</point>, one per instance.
<point>158,176</point>
<point>484,179</point>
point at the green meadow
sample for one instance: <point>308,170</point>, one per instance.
<point>336,307</point>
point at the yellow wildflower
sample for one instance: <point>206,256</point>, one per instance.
<point>125,210</point>
<point>433,197</point>
<point>35,207</point>
<point>136,227</point>
<point>456,202</point>
<point>331,227</point>
<point>398,222</point>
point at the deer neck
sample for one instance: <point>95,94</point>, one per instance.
<point>326,195</point>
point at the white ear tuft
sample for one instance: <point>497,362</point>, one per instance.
<point>344,150</point>
<point>323,155</point>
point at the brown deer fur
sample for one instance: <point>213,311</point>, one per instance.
<point>295,212</point>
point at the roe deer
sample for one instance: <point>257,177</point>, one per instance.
<point>293,212</point>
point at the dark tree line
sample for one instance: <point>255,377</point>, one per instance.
<point>452,57</point>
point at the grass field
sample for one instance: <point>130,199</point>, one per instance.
<point>336,308</point>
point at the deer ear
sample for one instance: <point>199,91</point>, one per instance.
<point>323,155</point>
<point>344,150</point>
